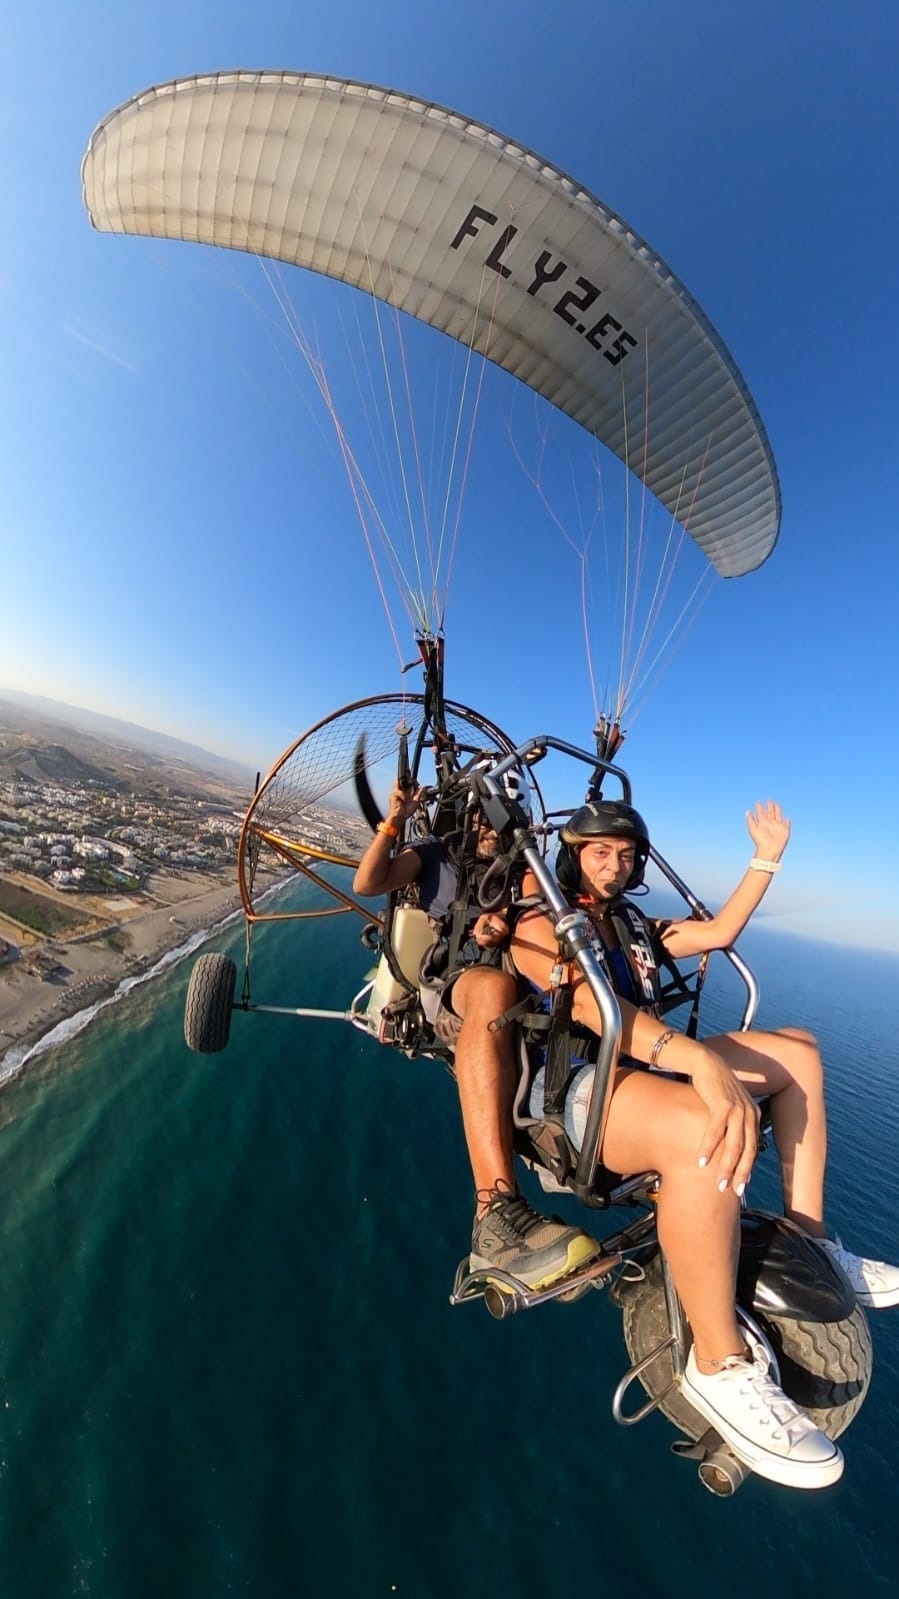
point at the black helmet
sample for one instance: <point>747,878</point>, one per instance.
<point>601,819</point>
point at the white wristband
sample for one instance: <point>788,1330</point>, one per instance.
<point>758,865</point>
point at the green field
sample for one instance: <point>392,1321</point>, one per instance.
<point>39,912</point>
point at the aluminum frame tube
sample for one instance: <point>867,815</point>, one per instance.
<point>701,913</point>
<point>574,931</point>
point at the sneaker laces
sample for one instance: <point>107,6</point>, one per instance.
<point>856,1267</point>
<point>752,1374</point>
<point>510,1210</point>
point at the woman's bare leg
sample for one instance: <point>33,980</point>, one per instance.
<point>787,1065</point>
<point>657,1124</point>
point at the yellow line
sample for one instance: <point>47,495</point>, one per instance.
<point>277,842</point>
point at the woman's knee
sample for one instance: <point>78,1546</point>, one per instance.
<point>801,1034</point>
<point>802,1058</point>
<point>770,1062</point>
<point>800,1062</point>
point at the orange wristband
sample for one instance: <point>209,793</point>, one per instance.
<point>386,827</point>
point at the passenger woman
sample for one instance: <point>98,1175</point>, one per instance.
<point>699,1129</point>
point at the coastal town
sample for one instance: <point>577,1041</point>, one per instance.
<point>85,841</point>
<point>109,857</point>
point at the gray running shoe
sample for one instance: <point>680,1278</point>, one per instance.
<point>514,1237</point>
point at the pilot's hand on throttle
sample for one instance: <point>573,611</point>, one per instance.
<point>403,803</point>
<point>490,930</point>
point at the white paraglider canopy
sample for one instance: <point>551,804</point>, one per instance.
<point>472,233</point>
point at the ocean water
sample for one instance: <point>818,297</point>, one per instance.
<point>228,1364</point>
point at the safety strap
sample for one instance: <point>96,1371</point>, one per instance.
<point>476,890</point>
<point>459,914</point>
<point>680,989</point>
<point>527,1014</point>
<point>639,952</point>
<point>494,889</point>
<point>557,1071</point>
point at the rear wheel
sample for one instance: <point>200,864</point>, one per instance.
<point>824,1366</point>
<point>210,997</point>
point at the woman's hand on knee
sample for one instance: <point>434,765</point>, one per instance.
<point>731,1137</point>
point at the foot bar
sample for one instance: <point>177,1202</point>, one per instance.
<point>505,1294</point>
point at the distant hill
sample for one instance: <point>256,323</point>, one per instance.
<point>49,762</point>
<point>133,736</point>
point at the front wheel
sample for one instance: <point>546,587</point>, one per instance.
<point>824,1366</point>
<point>210,998</point>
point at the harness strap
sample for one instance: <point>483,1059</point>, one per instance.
<point>495,885</point>
<point>639,951</point>
<point>461,907</point>
<point>532,1020</point>
<point>555,1151</point>
<point>558,1053</point>
<point>487,889</point>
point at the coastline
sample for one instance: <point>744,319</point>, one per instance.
<point>89,972</point>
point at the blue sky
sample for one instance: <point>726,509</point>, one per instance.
<point>179,542</point>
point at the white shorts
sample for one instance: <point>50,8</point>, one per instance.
<point>576,1102</point>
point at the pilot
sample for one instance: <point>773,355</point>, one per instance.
<point>507,1233</point>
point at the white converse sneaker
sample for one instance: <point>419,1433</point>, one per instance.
<point>763,1427</point>
<point>876,1284</point>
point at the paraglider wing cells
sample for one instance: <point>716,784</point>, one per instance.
<point>472,233</point>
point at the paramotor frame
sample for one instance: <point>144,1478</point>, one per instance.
<point>285,824</point>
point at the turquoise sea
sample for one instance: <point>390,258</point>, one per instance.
<point>228,1364</point>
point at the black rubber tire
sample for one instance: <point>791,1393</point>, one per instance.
<point>824,1367</point>
<point>210,996</point>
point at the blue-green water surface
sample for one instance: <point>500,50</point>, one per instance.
<point>228,1364</point>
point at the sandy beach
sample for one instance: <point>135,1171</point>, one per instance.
<point>49,980</point>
